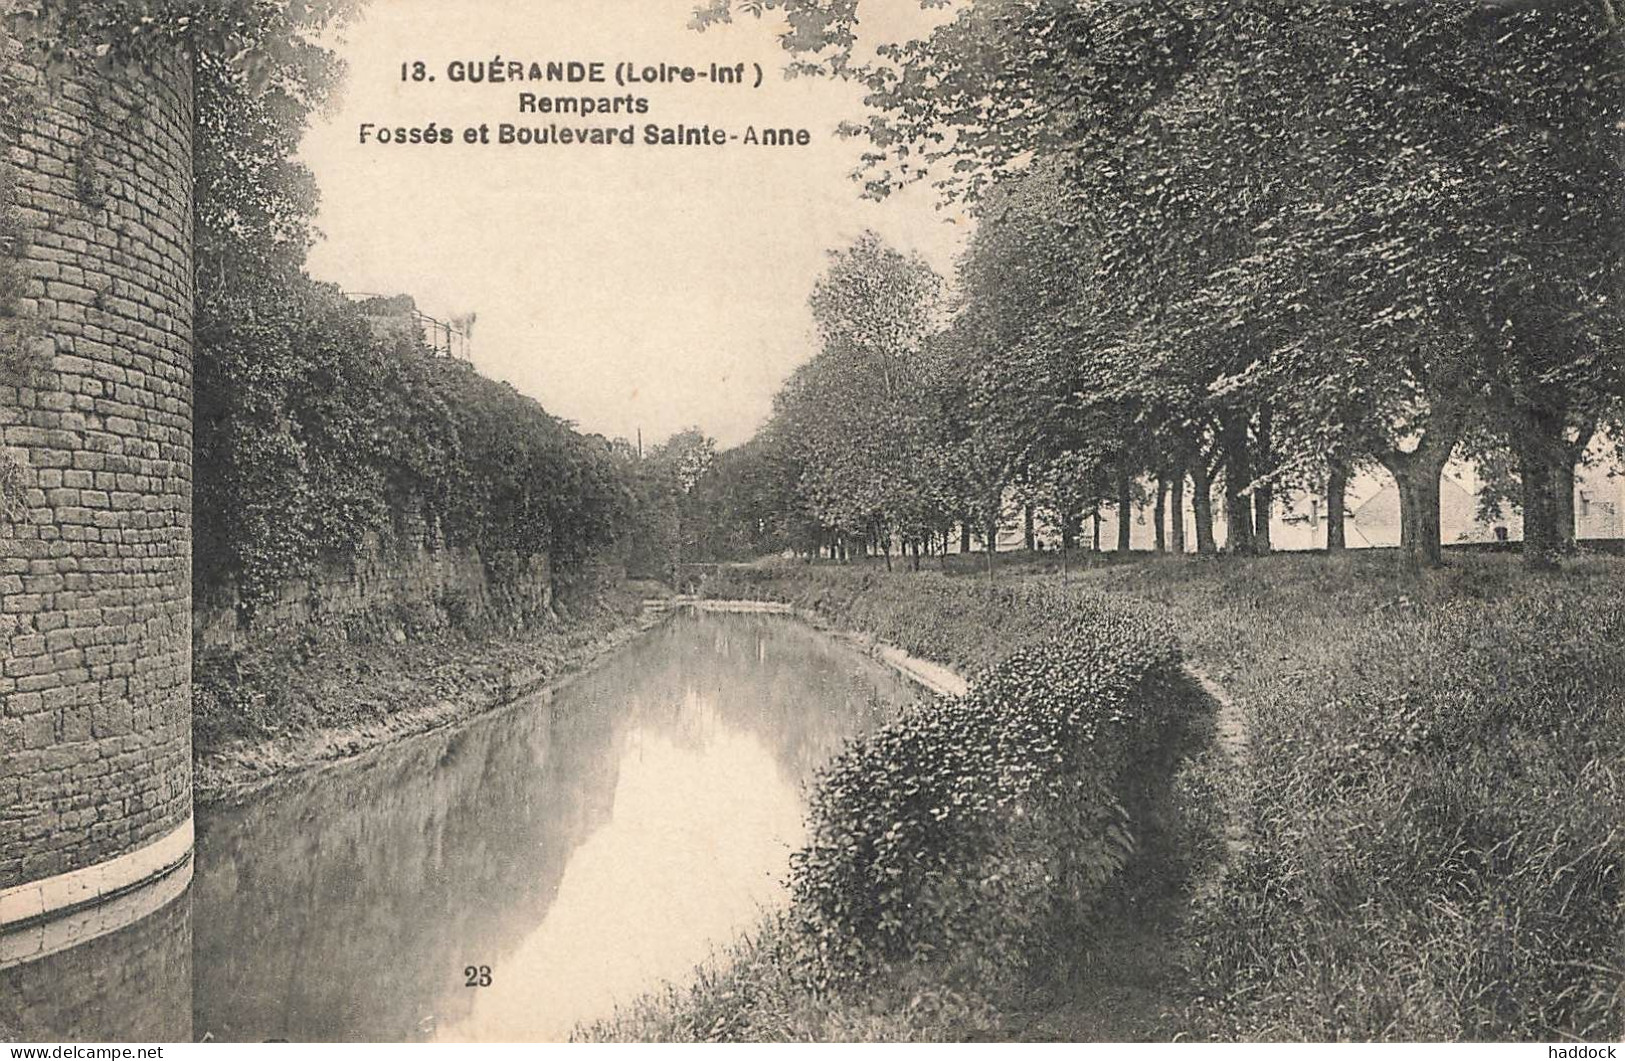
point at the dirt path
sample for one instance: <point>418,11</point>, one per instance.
<point>1230,739</point>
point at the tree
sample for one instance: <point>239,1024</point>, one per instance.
<point>858,416</point>
<point>1322,231</point>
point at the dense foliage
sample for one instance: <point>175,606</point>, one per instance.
<point>990,821</point>
<point>1256,244</point>
<point>313,435</point>
<point>674,490</point>
<point>260,40</point>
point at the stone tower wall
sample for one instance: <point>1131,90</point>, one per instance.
<point>95,552</point>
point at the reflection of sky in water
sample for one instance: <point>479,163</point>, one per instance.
<point>585,845</point>
<point>697,842</point>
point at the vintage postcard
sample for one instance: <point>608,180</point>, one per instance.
<point>543,521</point>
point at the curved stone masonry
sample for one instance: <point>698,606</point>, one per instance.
<point>44,917</point>
<point>95,572</point>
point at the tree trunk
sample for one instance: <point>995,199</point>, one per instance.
<point>1337,489</point>
<point>1162,515</point>
<point>1417,475</point>
<point>1028,530</point>
<point>1263,511</point>
<point>916,554</point>
<point>1563,495</point>
<point>964,537</point>
<point>1540,450</point>
<point>1238,475</point>
<point>1419,517</point>
<point>1202,511</point>
<point>1264,493</point>
<point>1125,510</point>
<point>1097,530</point>
<point>1176,513</point>
<point>992,542</point>
<point>1069,530</point>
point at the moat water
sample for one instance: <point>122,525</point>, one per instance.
<point>562,856</point>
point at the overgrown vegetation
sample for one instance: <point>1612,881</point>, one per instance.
<point>312,435</point>
<point>342,676</point>
<point>1436,797</point>
<point>990,823</point>
<point>958,856</point>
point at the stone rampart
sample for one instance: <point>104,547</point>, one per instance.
<point>96,440</point>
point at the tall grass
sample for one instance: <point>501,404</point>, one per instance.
<point>1436,796</point>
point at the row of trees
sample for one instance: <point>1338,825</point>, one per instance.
<point>1247,248</point>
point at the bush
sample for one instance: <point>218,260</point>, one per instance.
<point>982,824</point>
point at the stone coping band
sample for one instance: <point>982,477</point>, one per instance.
<point>64,932</point>
<point>31,905</point>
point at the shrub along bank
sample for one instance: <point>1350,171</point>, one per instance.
<point>960,853</point>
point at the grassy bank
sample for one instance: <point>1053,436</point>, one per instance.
<point>294,700</point>
<point>970,862</point>
<point>1436,795</point>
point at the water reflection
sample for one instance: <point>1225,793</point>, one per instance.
<point>583,846</point>
<point>677,816</point>
<point>131,985</point>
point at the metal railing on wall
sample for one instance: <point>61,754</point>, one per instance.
<point>443,338</point>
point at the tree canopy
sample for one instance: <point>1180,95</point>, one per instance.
<point>1263,242</point>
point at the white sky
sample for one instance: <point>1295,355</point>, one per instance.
<point>622,287</point>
